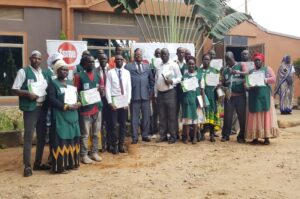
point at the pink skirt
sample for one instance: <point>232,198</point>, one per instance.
<point>262,124</point>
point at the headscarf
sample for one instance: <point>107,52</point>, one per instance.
<point>258,56</point>
<point>59,64</point>
<point>36,52</point>
<point>55,56</point>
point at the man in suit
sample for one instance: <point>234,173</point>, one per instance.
<point>142,89</point>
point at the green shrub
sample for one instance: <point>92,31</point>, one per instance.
<point>11,119</point>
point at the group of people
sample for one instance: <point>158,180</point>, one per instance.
<point>155,97</point>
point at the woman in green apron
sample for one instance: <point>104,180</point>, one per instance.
<point>212,118</point>
<point>190,105</point>
<point>262,120</point>
<point>64,130</point>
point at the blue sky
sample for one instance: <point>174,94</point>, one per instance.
<point>274,15</point>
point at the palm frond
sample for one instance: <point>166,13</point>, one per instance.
<point>223,26</point>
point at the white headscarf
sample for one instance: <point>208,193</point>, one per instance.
<point>36,52</point>
<point>59,64</point>
<point>55,56</point>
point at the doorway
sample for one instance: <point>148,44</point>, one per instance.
<point>236,51</point>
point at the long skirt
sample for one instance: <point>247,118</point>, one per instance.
<point>286,98</point>
<point>262,124</point>
<point>64,153</point>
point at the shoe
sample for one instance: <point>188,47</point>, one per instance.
<point>134,142</point>
<point>216,135</point>
<point>121,148</point>
<point>27,172</point>
<point>171,141</point>
<point>146,139</point>
<point>267,141</point>
<point>241,140</point>
<point>86,160</point>
<point>41,167</point>
<point>184,141</point>
<point>96,157</point>
<point>200,137</point>
<point>212,138</point>
<point>115,150</point>
<point>254,142</point>
<point>224,139</point>
<point>154,136</point>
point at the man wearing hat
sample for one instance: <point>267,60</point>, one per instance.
<point>30,102</point>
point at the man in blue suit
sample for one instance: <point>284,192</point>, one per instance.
<point>142,89</point>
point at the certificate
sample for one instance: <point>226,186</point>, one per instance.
<point>38,88</point>
<point>216,64</point>
<point>212,79</point>
<point>190,84</point>
<point>256,79</point>
<point>167,74</point>
<point>90,96</point>
<point>200,101</point>
<point>70,95</point>
<point>120,101</point>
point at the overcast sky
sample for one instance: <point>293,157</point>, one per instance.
<point>274,15</point>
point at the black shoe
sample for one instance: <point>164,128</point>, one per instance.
<point>254,142</point>
<point>224,139</point>
<point>171,141</point>
<point>216,135</point>
<point>115,150</point>
<point>27,172</point>
<point>41,167</point>
<point>146,139</point>
<point>134,142</point>
<point>121,149</point>
<point>184,141</point>
<point>241,140</point>
<point>212,138</point>
<point>267,141</point>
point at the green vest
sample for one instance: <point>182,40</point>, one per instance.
<point>184,69</point>
<point>86,84</point>
<point>48,74</point>
<point>259,97</point>
<point>79,68</point>
<point>236,82</point>
<point>26,104</point>
<point>66,122</point>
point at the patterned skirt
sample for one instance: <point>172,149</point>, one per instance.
<point>262,124</point>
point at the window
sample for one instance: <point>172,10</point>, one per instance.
<point>107,19</point>
<point>7,13</point>
<point>11,60</point>
<point>108,45</point>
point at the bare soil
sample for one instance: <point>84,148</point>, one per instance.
<point>149,170</point>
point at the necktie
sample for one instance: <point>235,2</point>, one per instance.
<point>140,68</point>
<point>103,75</point>
<point>120,82</point>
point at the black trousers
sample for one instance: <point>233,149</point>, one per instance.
<point>34,120</point>
<point>167,110</point>
<point>118,116</point>
<point>106,128</point>
<point>237,103</point>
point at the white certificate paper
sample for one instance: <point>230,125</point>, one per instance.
<point>216,64</point>
<point>190,84</point>
<point>120,101</point>
<point>90,96</point>
<point>212,79</point>
<point>250,65</point>
<point>256,79</point>
<point>38,88</point>
<point>70,95</point>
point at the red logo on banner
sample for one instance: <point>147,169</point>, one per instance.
<point>69,52</point>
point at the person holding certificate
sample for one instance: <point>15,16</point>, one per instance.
<point>118,95</point>
<point>262,120</point>
<point>64,130</point>
<point>87,83</point>
<point>30,86</point>
<point>233,79</point>
<point>209,81</point>
<point>167,76</point>
<point>189,102</point>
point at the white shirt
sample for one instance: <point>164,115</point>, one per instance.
<point>113,88</point>
<point>171,68</point>
<point>180,64</point>
<point>21,77</point>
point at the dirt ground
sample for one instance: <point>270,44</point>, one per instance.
<point>149,170</point>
